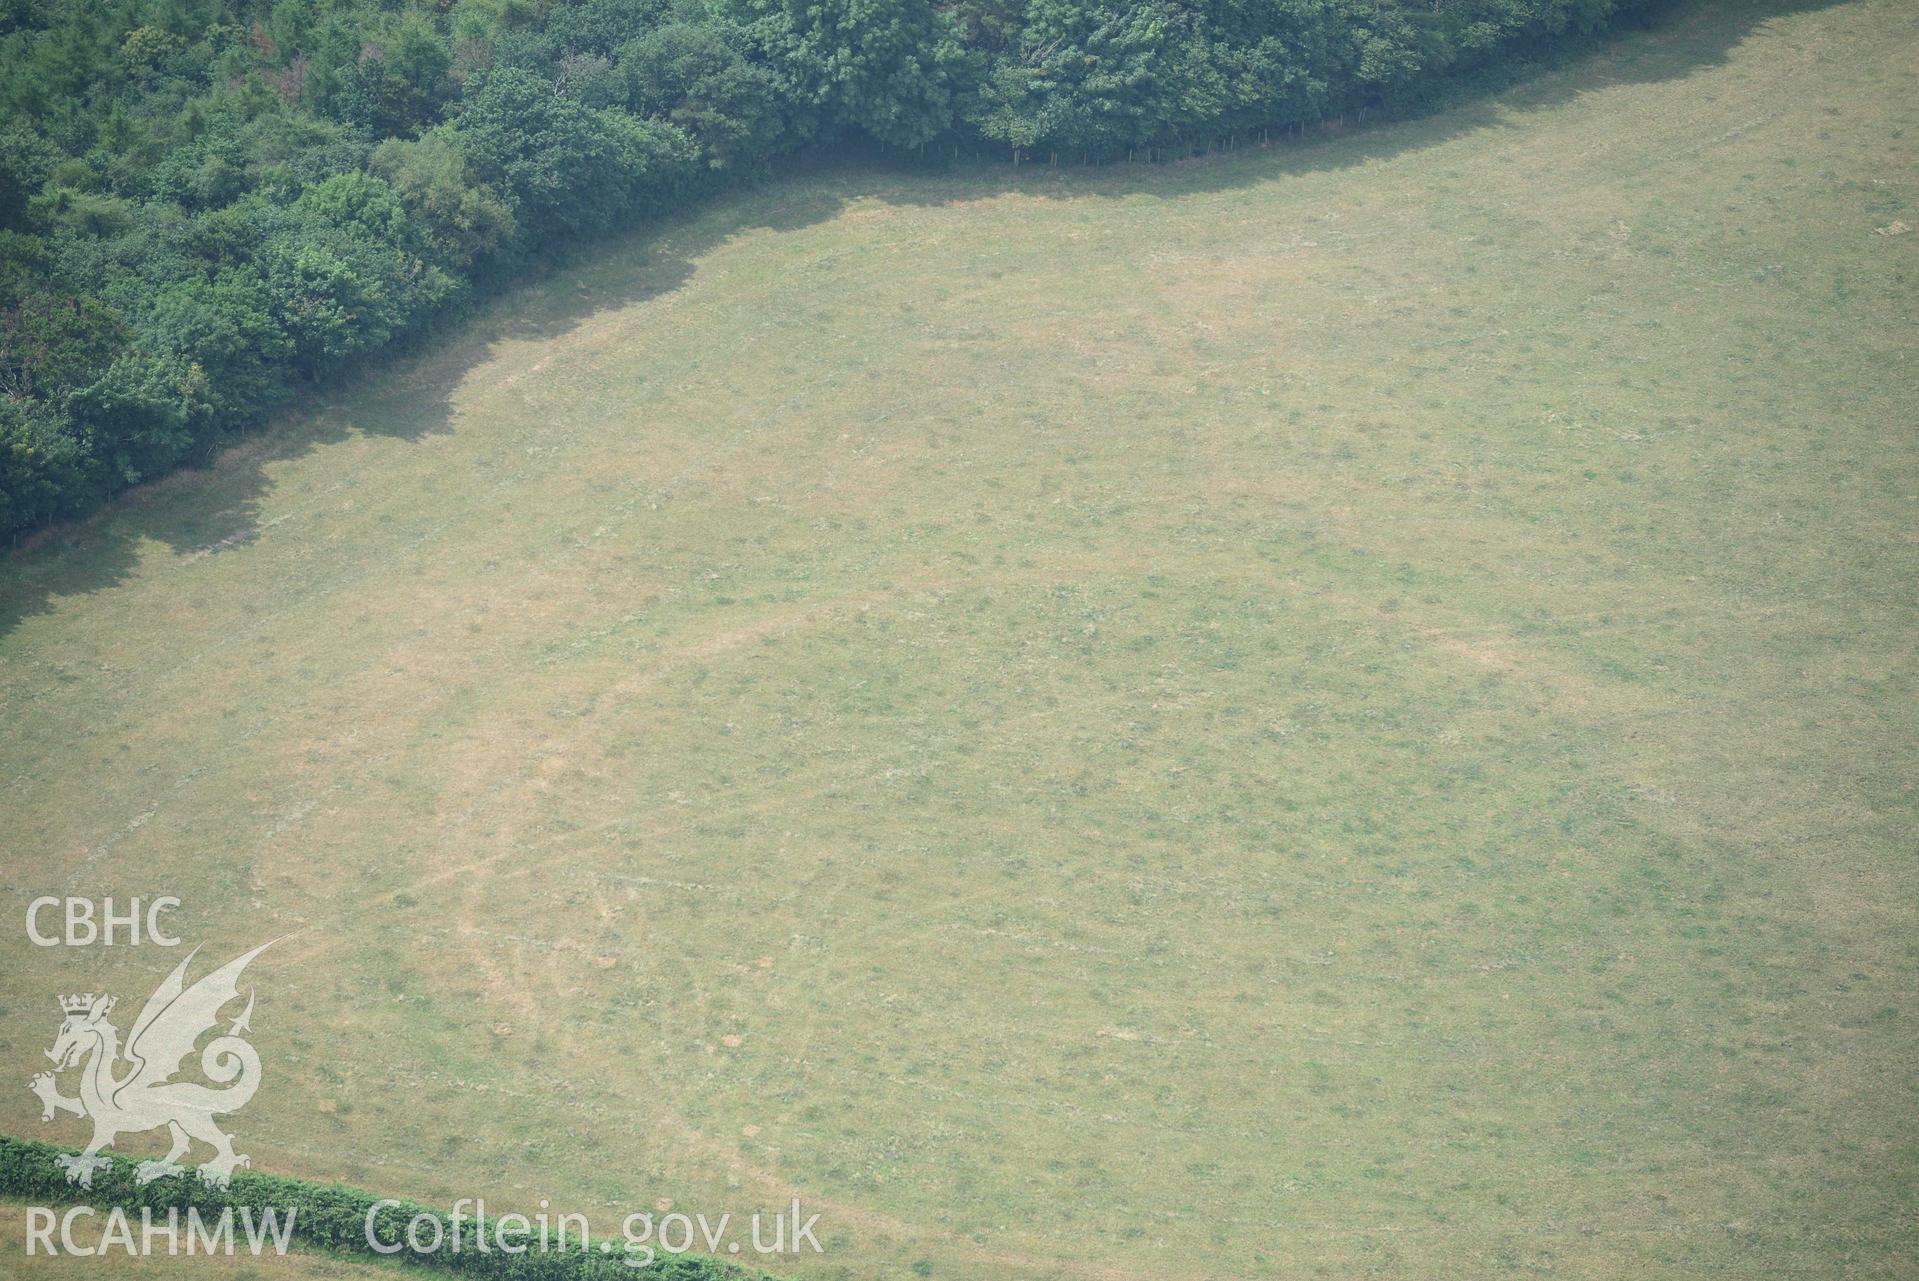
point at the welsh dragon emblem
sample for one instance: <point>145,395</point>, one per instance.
<point>143,1095</point>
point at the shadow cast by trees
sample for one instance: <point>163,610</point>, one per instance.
<point>216,507</point>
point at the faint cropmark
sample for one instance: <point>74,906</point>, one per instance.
<point>125,1091</point>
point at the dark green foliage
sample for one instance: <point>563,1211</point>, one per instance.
<point>26,162</point>
<point>50,338</point>
<point>458,219</point>
<point>1097,80</point>
<point>566,167</point>
<point>327,1216</point>
<point>46,468</point>
<point>698,78</point>
<point>876,66</point>
<point>207,204</point>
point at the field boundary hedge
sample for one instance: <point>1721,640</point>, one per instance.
<point>329,1217</point>
<point>209,212</point>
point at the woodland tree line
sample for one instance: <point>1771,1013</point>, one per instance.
<point>207,204</point>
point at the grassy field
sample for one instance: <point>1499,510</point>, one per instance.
<point>1329,711</point>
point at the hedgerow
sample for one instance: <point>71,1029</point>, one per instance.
<point>331,1217</point>
<point>207,206</point>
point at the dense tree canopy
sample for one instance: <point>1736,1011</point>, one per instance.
<point>205,204</point>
